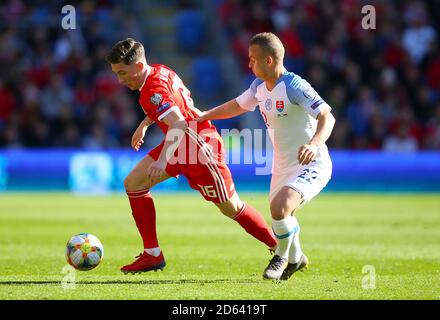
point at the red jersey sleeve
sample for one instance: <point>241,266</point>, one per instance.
<point>157,102</point>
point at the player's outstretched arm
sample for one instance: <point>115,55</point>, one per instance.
<point>138,136</point>
<point>227,110</point>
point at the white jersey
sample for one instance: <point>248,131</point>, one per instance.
<point>289,112</point>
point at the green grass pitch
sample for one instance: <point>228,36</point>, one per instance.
<point>361,246</point>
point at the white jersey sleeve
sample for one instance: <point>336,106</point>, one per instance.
<point>247,99</point>
<point>300,92</point>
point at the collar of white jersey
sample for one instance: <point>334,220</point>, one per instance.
<point>285,72</point>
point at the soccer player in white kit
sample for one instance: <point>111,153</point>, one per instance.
<point>299,122</point>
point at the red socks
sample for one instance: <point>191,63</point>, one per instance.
<point>144,214</point>
<point>252,221</point>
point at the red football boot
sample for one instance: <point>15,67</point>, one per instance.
<point>144,263</point>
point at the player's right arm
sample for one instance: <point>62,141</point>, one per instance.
<point>227,110</point>
<point>138,137</point>
<point>235,107</point>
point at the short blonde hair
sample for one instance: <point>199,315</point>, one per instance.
<point>270,43</point>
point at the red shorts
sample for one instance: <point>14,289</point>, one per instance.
<point>200,158</point>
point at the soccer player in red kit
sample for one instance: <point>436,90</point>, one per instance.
<point>167,102</point>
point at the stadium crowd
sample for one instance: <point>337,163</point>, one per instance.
<point>383,84</point>
<point>56,90</point>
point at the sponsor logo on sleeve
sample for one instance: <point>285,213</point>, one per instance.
<point>156,99</point>
<point>316,104</point>
<point>163,107</point>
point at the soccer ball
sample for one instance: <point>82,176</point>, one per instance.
<point>84,251</point>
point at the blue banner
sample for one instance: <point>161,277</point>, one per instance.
<point>100,172</point>
<point>3,173</point>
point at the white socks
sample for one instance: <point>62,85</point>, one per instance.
<point>287,234</point>
<point>295,251</point>
<point>155,252</point>
<point>284,230</point>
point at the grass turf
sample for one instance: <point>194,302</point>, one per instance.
<point>210,257</point>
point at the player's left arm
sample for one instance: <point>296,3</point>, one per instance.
<point>308,152</point>
<point>176,131</point>
<point>301,92</point>
<point>138,136</point>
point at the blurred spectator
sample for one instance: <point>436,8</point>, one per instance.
<point>419,35</point>
<point>98,138</point>
<point>433,70</point>
<point>56,89</point>
<point>432,140</point>
<point>54,97</point>
<point>401,141</point>
<point>7,103</point>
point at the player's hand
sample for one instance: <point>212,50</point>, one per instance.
<point>307,153</point>
<point>138,137</point>
<point>156,170</point>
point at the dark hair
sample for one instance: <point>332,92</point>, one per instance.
<point>270,43</point>
<point>127,51</point>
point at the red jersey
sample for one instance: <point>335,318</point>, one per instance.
<point>201,158</point>
<point>164,91</point>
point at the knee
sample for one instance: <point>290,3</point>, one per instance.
<point>278,210</point>
<point>133,184</point>
<point>285,203</point>
<point>230,208</point>
<point>227,212</point>
<point>128,183</point>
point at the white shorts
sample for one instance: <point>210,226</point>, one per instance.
<point>307,180</point>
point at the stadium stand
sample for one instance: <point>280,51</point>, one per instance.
<point>57,91</point>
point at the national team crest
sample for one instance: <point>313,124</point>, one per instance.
<point>280,105</point>
<point>156,99</point>
<point>268,104</point>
